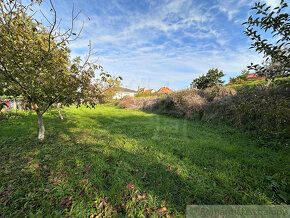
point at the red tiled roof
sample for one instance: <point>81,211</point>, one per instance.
<point>165,90</point>
<point>254,77</point>
<point>149,90</point>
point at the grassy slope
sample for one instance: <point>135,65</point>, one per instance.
<point>113,155</point>
<point>259,82</point>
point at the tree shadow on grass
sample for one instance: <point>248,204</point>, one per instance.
<point>118,158</point>
<point>233,165</point>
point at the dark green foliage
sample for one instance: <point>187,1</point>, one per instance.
<point>277,54</point>
<point>261,110</point>
<point>211,79</point>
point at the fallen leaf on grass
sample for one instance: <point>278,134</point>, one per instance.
<point>84,180</point>
<point>56,180</point>
<point>131,186</point>
<point>144,175</point>
<point>31,165</point>
<point>66,202</point>
<point>164,202</point>
<point>97,216</point>
<point>13,180</point>
<point>140,197</point>
<point>148,210</point>
<point>46,190</point>
<point>36,165</point>
<point>123,206</point>
<point>109,210</point>
<point>102,204</point>
<point>227,198</point>
<point>161,211</point>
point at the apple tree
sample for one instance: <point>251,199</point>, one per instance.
<point>35,61</point>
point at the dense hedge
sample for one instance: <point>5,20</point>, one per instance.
<point>261,110</point>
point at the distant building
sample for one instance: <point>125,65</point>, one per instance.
<point>192,86</point>
<point>255,77</point>
<point>145,90</point>
<point>122,92</point>
<point>150,91</point>
<point>141,90</point>
<point>165,90</point>
<point>252,77</point>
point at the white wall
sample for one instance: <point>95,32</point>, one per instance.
<point>120,95</point>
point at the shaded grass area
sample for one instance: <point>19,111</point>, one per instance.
<point>118,162</point>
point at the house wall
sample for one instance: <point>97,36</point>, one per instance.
<point>120,95</point>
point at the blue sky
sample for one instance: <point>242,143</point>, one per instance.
<point>154,43</point>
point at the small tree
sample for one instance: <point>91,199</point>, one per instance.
<point>211,79</point>
<point>241,78</point>
<point>35,61</point>
<point>275,49</point>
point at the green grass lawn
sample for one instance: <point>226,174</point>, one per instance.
<point>118,162</point>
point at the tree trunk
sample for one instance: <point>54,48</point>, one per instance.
<point>15,105</point>
<point>59,113</point>
<point>41,126</point>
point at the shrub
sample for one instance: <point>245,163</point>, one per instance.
<point>144,94</point>
<point>127,102</point>
<point>217,92</point>
<point>189,103</point>
<point>262,110</point>
<point>211,79</point>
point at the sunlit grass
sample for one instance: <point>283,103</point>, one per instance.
<point>119,162</point>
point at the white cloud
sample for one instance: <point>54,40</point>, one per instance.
<point>155,70</point>
<point>170,44</point>
<point>272,3</point>
<point>232,7</point>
